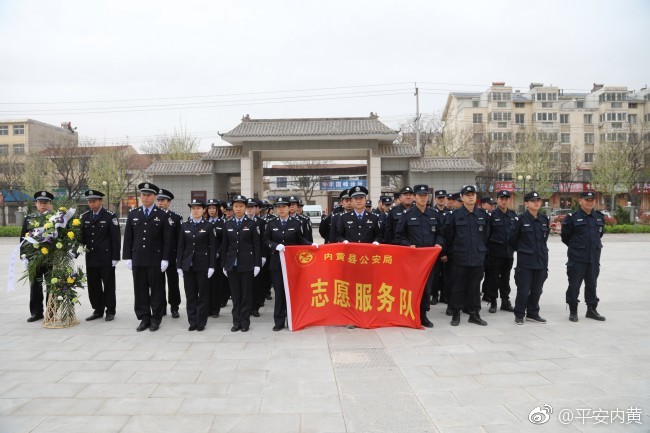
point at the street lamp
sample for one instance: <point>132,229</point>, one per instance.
<point>108,193</point>
<point>524,178</point>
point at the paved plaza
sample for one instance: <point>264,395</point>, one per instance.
<point>105,377</point>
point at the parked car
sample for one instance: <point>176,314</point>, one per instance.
<point>314,212</point>
<point>559,212</point>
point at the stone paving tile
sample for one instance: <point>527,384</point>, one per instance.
<point>378,413</point>
<point>10,405</point>
<point>188,390</point>
<point>267,423</point>
<point>321,423</point>
<point>60,406</point>
<point>168,424</point>
<point>118,390</point>
<point>164,377</point>
<point>44,390</point>
<point>81,424</point>
<point>140,406</point>
<point>19,424</point>
<point>220,406</point>
<point>300,404</point>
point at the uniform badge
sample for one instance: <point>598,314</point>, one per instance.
<point>480,228</point>
<point>433,229</point>
<point>171,221</point>
<point>114,221</point>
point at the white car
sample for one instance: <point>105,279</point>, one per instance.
<point>314,212</point>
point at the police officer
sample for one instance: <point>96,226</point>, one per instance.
<point>382,210</point>
<point>581,232</point>
<point>280,232</point>
<point>241,260</point>
<point>369,207</point>
<point>358,226</point>
<point>529,236</point>
<point>466,233</point>
<point>294,205</point>
<point>500,254</point>
<point>328,230</point>
<point>100,233</point>
<point>417,228</point>
<point>405,201</point>
<point>438,287</point>
<point>146,247</point>
<point>195,262</point>
<point>163,201</point>
<point>43,202</point>
<point>219,292</point>
<point>259,282</point>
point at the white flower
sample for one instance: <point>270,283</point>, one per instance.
<point>52,218</point>
<point>81,249</point>
<point>24,256</point>
<point>59,298</point>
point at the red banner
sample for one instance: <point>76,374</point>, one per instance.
<point>506,185</point>
<point>365,285</point>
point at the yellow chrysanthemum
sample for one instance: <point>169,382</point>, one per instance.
<point>35,223</point>
<point>70,280</point>
<point>62,209</point>
<point>44,251</point>
<point>48,225</point>
<point>71,235</point>
<point>76,222</point>
<point>54,280</point>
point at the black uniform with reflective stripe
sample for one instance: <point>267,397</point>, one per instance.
<point>501,226</point>
<point>390,223</point>
<point>529,237</point>
<point>422,229</point>
<point>581,232</point>
<point>466,235</point>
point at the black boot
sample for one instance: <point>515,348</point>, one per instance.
<point>493,306</point>
<point>449,311</point>
<point>573,312</point>
<point>455,320</point>
<point>506,305</point>
<point>475,317</point>
<point>593,314</point>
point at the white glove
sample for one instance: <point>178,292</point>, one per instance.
<point>375,243</point>
<point>263,261</point>
<point>72,255</point>
<point>163,265</point>
<point>210,272</point>
<point>114,262</point>
<point>225,272</point>
<point>346,242</point>
<point>256,270</point>
<point>280,247</point>
<point>180,271</point>
<point>129,265</point>
<point>314,245</point>
<point>25,262</point>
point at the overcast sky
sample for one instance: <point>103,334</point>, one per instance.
<point>126,68</point>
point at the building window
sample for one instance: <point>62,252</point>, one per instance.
<point>613,117</point>
<point>501,96</point>
<point>19,129</point>
<point>588,119</point>
<point>478,138</point>
<point>617,105</point>
<point>500,116</point>
<point>632,119</point>
<point>4,149</point>
<point>520,119</point>
<point>547,105</point>
<point>477,118</point>
<point>646,118</point>
<point>519,105</point>
<point>502,124</point>
<point>632,106</point>
<point>19,149</point>
<point>554,156</point>
<point>564,118</point>
<point>589,157</point>
<point>546,117</point>
<point>612,97</point>
<point>475,104</point>
<point>199,195</point>
<point>4,130</point>
<point>501,136</point>
<point>282,182</point>
<point>580,104</point>
<point>546,96</point>
<point>589,138</point>
<point>506,157</point>
<point>565,138</point>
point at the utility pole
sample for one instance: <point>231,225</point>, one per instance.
<point>417,119</point>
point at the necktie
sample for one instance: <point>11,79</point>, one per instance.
<point>238,223</point>
<point>360,217</point>
<point>284,223</point>
<point>146,213</point>
<point>94,216</point>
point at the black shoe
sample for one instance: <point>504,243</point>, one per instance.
<point>573,313</point>
<point>278,327</point>
<point>143,325</point>
<point>449,312</point>
<point>215,315</point>
<point>536,319</point>
<point>593,314</point>
<point>154,327</point>
<point>486,298</point>
<point>465,310</point>
<point>200,328</point>
<point>455,320</point>
<point>434,301</point>
<point>192,328</point>
<point>444,300</point>
<point>269,297</point>
<point>519,320</point>
<point>493,307</point>
<point>244,329</point>
<point>94,316</point>
<point>475,318</point>
<point>255,313</point>
<point>175,314</point>
<point>506,305</point>
<point>223,304</point>
<point>427,323</point>
<point>235,328</point>
<point>110,317</point>
<point>34,318</point>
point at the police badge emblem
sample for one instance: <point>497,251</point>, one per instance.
<point>433,229</point>
<point>114,221</point>
<point>171,221</point>
<point>480,228</point>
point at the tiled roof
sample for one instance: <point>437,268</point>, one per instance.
<point>466,94</point>
<point>223,152</point>
<point>193,167</point>
<point>310,127</point>
<point>398,151</point>
<point>445,164</point>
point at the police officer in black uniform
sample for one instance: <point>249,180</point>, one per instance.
<point>253,206</point>
<point>219,292</point>
<point>294,205</point>
<point>529,237</point>
<point>358,226</point>
<point>241,260</point>
<point>406,198</point>
<point>581,232</point>
<point>100,233</point>
<point>163,201</point>
<point>195,262</point>
<point>466,233</point>
<point>417,228</point>
<point>280,232</point>
<point>383,208</point>
<point>327,227</point>
<point>146,247</point>
<point>439,206</point>
<point>500,254</point>
<point>43,201</point>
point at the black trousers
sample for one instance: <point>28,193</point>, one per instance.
<point>438,286</point>
<point>447,280</point>
<point>214,292</point>
<point>529,289</point>
<point>425,305</point>
<point>280,309</point>
<point>149,291</point>
<point>497,277</point>
<point>466,289</point>
<point>241,290</point>
<point>577,273</point>
<point>101,288</point>
<point>173,287</point>
<point>36,288</point>
<point>197,296</point>
<point>260,284</point>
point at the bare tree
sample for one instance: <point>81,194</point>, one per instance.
<point>494,156</point>
<point>392,182</point>
<point>451,139</point>
<point>113,166</point>
<point>181,145</point>
<point>11,174</point>
<point>37,173</point>
<point>305,178</point>
<point>612,173</point>
<point>567,167</point>
<point>533,153</point>
<point>70,164</point>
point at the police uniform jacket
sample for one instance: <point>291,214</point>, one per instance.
<point>175,221</point>
<point>261,224</point>
<point>196,246</point>
<point>501,227</point>
<point>528,237</point>
<point>240,246</point>
<point>306,227</point>
<point>336,217</point>
<point>26,227</point>
<point>147,240</point>
<point>276,234</point>
<point>390,223</point>
<point>101,237</point>
<point>324,228</point>
<point>218,224</point>
<point>422,229</point>
<point>581,232</point>
<point>361,230</point>
<point>466,234</point>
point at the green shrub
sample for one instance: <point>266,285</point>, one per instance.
<point>627,228</point>
<point>622,214</point>
<point>9,231</point>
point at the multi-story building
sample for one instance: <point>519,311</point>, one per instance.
<point>571,124</point>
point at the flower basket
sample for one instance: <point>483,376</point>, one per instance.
<point>59,314</point>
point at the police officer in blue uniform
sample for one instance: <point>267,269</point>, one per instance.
<point>581,232</point>
<point>328,230</point>
<point>406,198</point>
<point>253,206</point>
<point>100,233</point>
<point>147,238</point>
<point>281,232</point>
<point>163,201</point>
<point>359,225</point>
<point>219,292</point>
<point>529,237</point>
<point>500,254</point>
<point>241,260</point>
<point>417,228</point>
<point>439,206</point>
<point>466,234</point>
<point>195,262</point>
